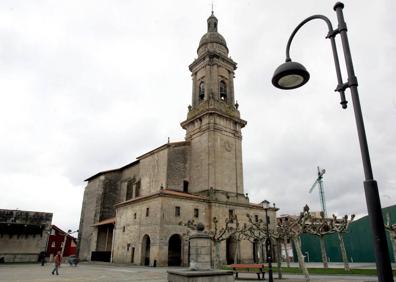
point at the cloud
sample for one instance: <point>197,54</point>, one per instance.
<point>89,86</point>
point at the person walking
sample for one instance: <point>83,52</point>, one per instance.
<point>42,258</point>
<point>58,261</point>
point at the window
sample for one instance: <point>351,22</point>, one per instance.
<point>137,189</point>
<point>129,190</point>
<point>231,214</point>
<point>133,255</point>
<point>123,229</point>
<point>185,186</point>
<point>196,212</point>
<point>128,246</point>
<point>134,216</point>
<point>53,244</point>
<point>177,211</point>
<point>147,211</point>
<point>256,218</point>
<point>201,90</point>
<point>223,90</point>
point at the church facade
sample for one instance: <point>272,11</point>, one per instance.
<point>132,214</point>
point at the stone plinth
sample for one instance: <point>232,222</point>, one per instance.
<point>199,271</point>
<point>200,251</point>
<point>200,276</point>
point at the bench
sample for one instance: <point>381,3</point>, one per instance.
<point>249,268</point>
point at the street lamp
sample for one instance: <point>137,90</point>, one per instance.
<point>69,232</point>
<point>268,244</point>
<point>291,75</point>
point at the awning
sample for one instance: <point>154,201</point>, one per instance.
<point>105,222</point>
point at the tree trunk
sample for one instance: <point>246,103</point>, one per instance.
<point>217,262</point>
<point>300,257</point>
<point>286,253</point>
<point>343,251</point>
<point>236,255</point>
<point>392,236</point>
<point>279,258</point>
<point>263,255</point>
<point>323,251</point>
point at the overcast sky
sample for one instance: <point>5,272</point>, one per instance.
<point>88,86</point>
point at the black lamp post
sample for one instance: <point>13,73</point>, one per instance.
<point>291,75</point>
<point>268,243</point>
<point>69,232</point>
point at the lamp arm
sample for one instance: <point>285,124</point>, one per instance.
<point>341,86</point>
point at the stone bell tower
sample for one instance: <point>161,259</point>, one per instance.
<point>213,124</point>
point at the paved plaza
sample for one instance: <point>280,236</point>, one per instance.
<point>114,273</point>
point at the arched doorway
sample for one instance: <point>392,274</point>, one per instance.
<point>145,260</point>
<point>174,250</point>
<point>231,245</point>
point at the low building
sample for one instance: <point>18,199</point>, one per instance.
<point>23,234</point>
<point>61,241</point>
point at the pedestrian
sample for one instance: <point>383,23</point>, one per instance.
<point>42,258</point>
<point>58,261</point>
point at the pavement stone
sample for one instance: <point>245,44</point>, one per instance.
<point>103,272</point>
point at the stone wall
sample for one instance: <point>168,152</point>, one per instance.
<point>163,222</point>
<point>110,195</point>
<point>130,230</point>
<point>128,174</point>
<point>24,234</point>
<point>177,170</point>
<point>89,215</point>
<point>153,173</point>
<point>216,153</point>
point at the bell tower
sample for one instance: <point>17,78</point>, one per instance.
<point>213,124</point>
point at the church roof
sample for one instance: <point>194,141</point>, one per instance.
<point>164,192</point>
<point>112,170</point>
<point>167,145</point>
<point>162,147</point>
<point>212,36</point>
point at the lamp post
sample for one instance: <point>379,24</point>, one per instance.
<point>69,232</point>
<point>268,243</point>
<point>291,75</point>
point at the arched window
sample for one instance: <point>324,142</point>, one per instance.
<point>223,90</point>
<point>201,90</point>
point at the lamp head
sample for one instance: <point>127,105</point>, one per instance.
<point>265,204</point>
<point>290,75</point>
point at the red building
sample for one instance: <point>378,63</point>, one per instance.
<point>57,239</point>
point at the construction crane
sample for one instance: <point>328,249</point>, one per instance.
<point>319,182</point>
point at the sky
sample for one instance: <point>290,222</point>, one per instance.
<point>87,86</point>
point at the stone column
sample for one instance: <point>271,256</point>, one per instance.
<point>200,247</point>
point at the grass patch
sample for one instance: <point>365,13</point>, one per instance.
<point>323,271</point>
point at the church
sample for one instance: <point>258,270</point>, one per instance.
<point>132,214</point>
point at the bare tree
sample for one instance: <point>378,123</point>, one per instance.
<point>238,236</point>
<point>256,233</point>
<point>321,226</point>
<point>284,234</point>
<point>217,235</point>
<point>297,226</point>
<point>341,226</point>
<point>391,228</point>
